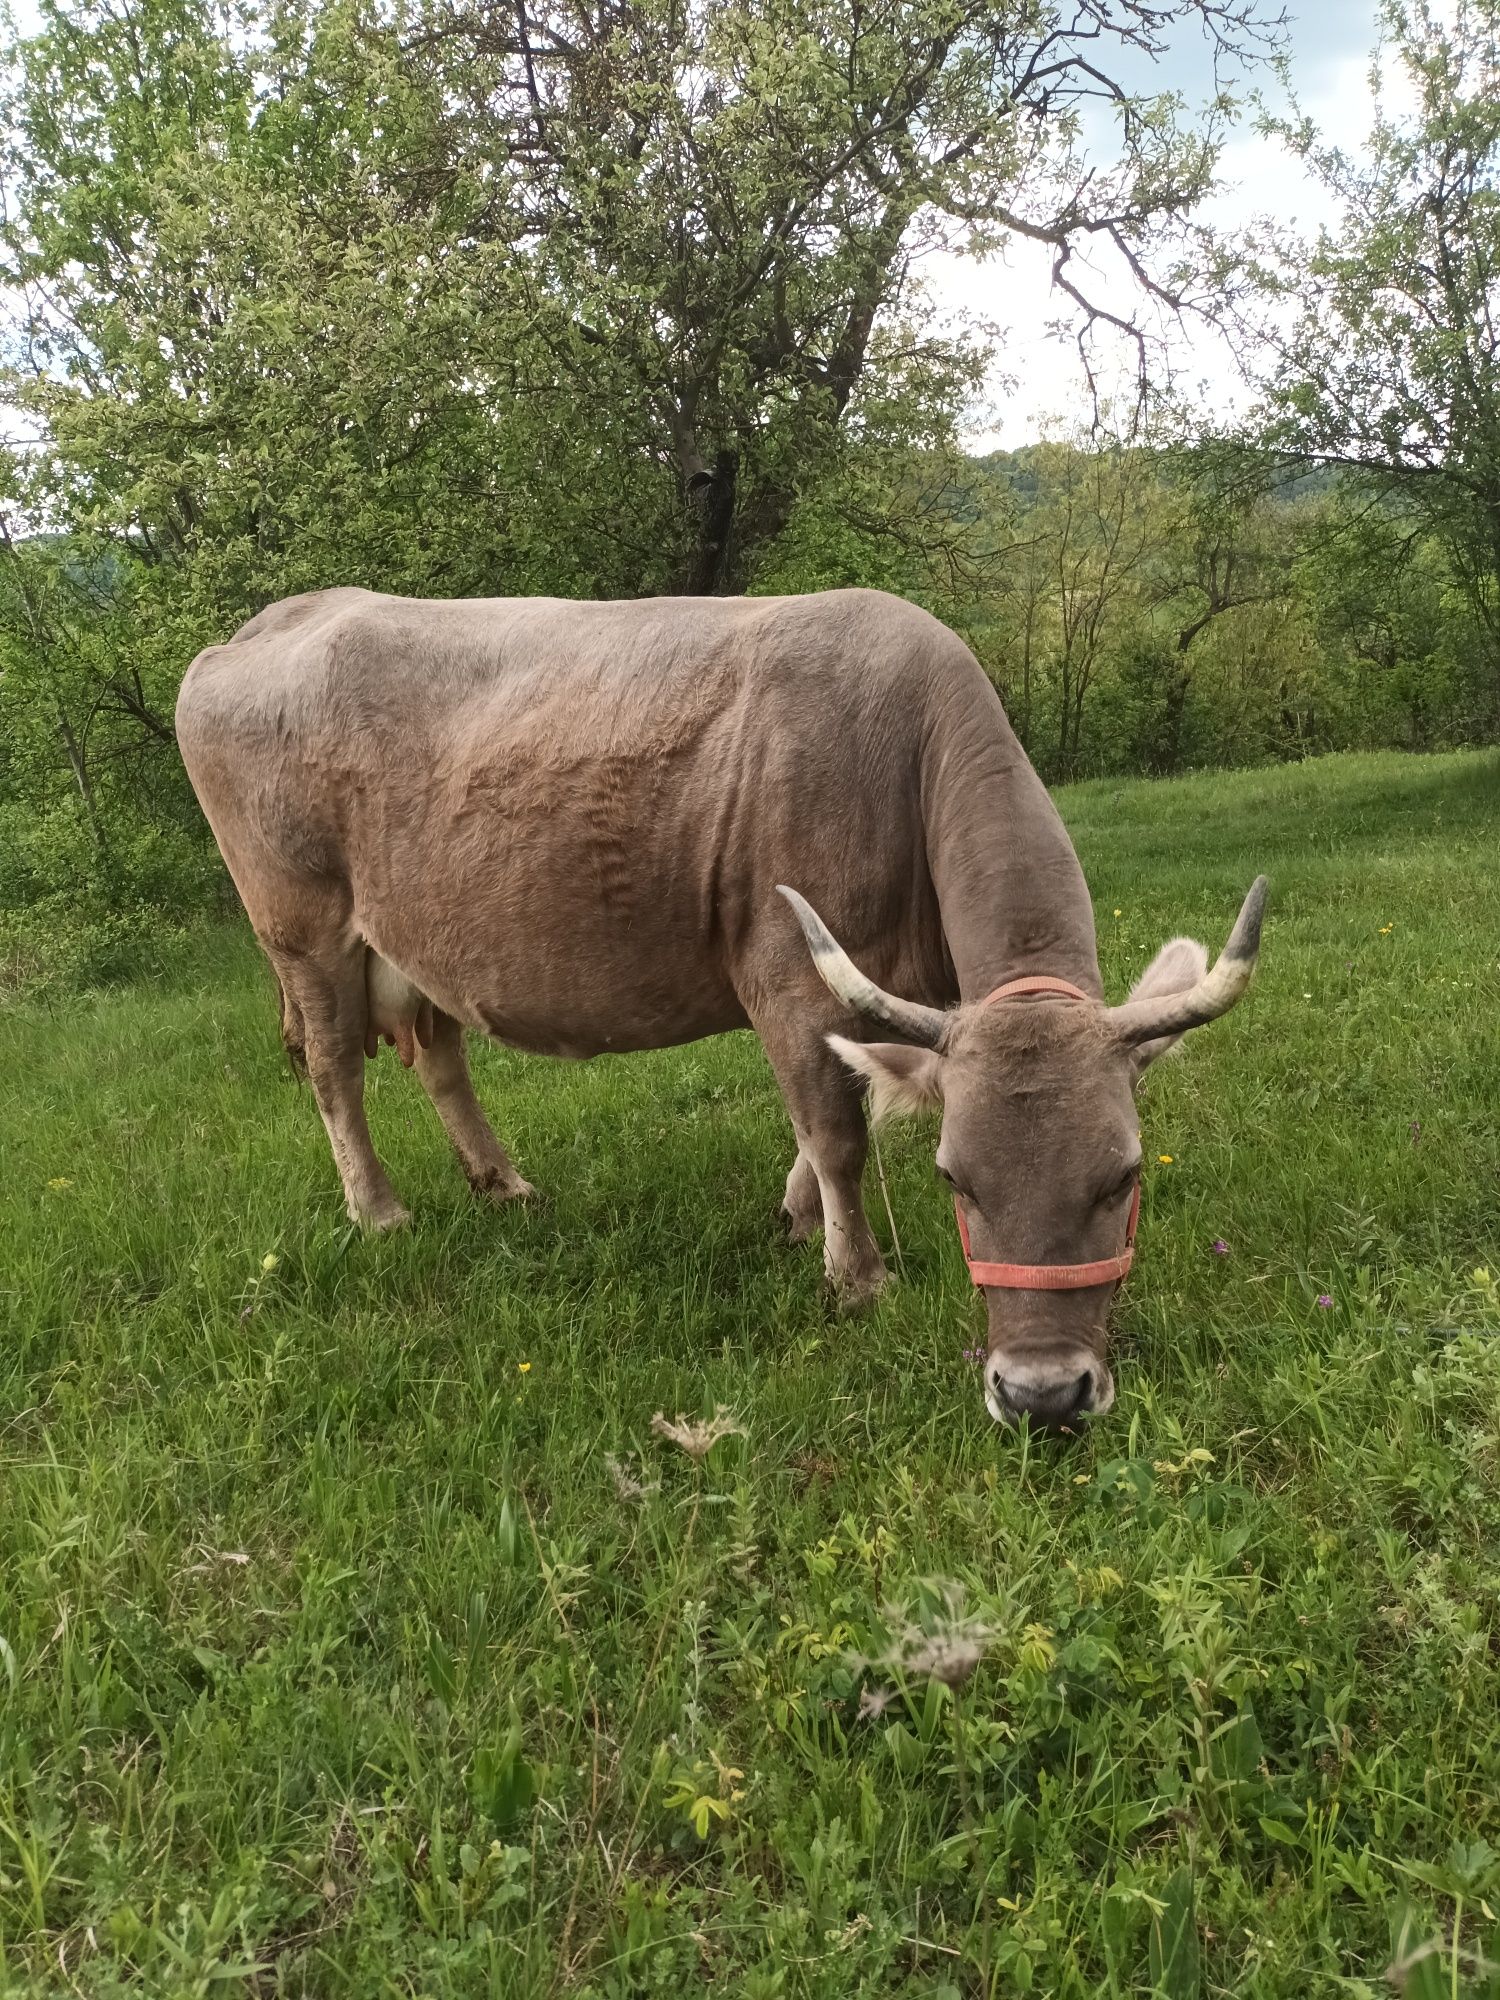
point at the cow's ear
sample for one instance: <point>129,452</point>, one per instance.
<point>1177,966</point>
<point>903,1080</point>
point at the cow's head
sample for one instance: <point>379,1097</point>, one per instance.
<point>1040,1138</point>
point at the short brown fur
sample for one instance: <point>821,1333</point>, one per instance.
<point>563,824</point>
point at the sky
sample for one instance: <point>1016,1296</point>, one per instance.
<point>1330,45</point>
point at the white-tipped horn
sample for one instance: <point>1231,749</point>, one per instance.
<point>905,1019</point>
<point>1214,994</point>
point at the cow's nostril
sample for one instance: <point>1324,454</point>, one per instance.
<point>1055,1402</point>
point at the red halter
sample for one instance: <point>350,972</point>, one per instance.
<point>1048,1277</point>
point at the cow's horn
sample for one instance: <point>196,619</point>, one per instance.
<point>1214,994</point>
<point>843,978</point>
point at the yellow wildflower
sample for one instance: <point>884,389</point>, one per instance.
<point>269,1261</point>
<point>524,1367</point>
<point>1386,929</point>
<point>58,1183</point>
<point>1119,913</point>
<point>1165,1158</point>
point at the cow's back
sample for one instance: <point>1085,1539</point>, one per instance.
<point>540,807</point>
<point>554,666</point>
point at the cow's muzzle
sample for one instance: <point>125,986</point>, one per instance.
<point>1053,1387</point>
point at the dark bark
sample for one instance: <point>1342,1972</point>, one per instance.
<point>78,765</point>
<point>1166,755</point>
<point>711,504</point>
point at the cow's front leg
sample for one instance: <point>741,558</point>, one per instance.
<point>823,1102</point>
<point>444,1070</point>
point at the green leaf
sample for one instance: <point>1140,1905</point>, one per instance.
<point>442,1677</point>
<point>907,1751</point>
<point>503,1785</point>
<point>1236,1750</point>
<point>1173,1952</point>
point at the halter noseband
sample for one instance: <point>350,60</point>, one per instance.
<point>1047,1277</point>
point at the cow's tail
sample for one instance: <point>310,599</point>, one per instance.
<point>293,1033</point>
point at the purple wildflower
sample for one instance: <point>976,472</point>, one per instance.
<point>1221,1248</point>
<point>974,1354</point>
<point>1324,1299</point>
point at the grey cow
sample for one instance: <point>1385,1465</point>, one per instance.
<point>565,824</point>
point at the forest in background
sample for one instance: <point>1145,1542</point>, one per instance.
<point>605,298</point>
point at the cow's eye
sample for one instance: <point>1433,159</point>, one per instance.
<point>945,1174</point>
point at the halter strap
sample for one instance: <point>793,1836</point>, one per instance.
<point>1040,982</point>
<point>1047,1277</point>
<point>1052,1277</point>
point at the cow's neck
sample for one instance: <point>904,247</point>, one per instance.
<point>1010,892</point>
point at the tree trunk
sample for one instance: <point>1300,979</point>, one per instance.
<point>711,502</point>
<point>79,767</point>
<point>1168,757</point>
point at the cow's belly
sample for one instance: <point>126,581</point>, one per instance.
<point>595,1004</point>
<point>544,956</point>
<point>597,1011</point>
<point>581,1034</point>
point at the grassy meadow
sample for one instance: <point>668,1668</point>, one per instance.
<point>359,1637</point>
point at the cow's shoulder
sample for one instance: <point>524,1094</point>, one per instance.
<point>875,638</point>
<point>228,684</point>
<point>296,614</point>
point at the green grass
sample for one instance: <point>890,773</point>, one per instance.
<point>334,1663</point>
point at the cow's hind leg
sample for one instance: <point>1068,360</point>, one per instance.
<point>823,1101</point>
<point>324,1012</point>
<point>444,1069</point>
<point>293,1034</point>
<point>802,1204</point>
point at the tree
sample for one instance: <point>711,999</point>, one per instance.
<point>1382,596</point>
<point>243,324</point>
<point>729,199</point>
<point>1219,553</point>
<point>1093,528</point>
<point>1389,365</point>
<point>628,277</point>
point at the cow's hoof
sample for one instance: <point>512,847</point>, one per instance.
<point>501,1189</point>
<point>381,1221</point>
<point>855,1295</point>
